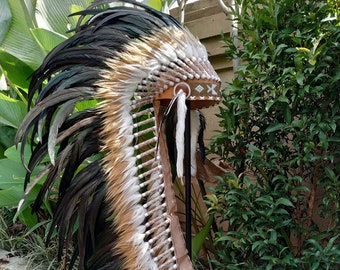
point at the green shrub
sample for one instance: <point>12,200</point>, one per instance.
<point>281,133</point>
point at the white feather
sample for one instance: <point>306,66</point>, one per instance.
<point>194,129</point>
<point>180,127</point>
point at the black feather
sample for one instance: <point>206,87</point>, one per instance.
<point>201,135</point>
<point>67,76</point>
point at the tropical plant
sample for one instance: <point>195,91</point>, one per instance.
<point>280,133</point>
<point>29,31</point>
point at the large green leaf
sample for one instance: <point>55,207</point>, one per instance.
<point>47,39</point>
<point>5,19</point>
<point>11,197</point>
<point>28,218</point>
<point>156,4</point>
<point>13,153</point>
<point>199,238</point>
<point>17,72</point>
<point>12,111</point>
<point>55,17</point>
<point>19,41</point>
<point>12,174</point>
<point>7,135</point>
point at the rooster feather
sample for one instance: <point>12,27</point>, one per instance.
<point>109,161</point>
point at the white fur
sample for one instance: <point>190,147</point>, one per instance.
<point>180,127</point>
<point>194,128</point>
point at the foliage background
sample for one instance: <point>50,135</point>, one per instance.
<point>280,134</point>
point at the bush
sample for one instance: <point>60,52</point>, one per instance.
<point>280,133</point>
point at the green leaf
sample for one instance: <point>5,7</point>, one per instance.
<point>55,17</point>
<point>299,78</point>
<point>287,114</point>
<point>279,49</point>
<point>323,140</point>
<point>256,244</point>
<point>285,202</point>
<point>5,19</point>
<point>315,244</point>
<point>17,72</point>
<point>28,218</point>
<point>12,111</point>
<point>198,239</point>
<point>19,41</point>
<point>75,9</point>
<point>330,244</point>
<point>276,127</point>
<point>298,124</point>
<point>273,235</point>
<point>330,173</point>
<point>279,177</point>
<point>83,105</point>
<point>13,153</point>
<point>283,99</point>
<point>301,189</point>
<point>225,238</point>
<point>47,39</point>
<point>269,104</point>
<point>7,135</point>
<point>11,197</point>
<point>12,174</point>
<point>261,232</point>
<point>156,4</point>
<point>265,199</point>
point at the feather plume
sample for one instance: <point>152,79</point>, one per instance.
<point>180,127</point>
<point>194,129</point>
<point>113,181</point>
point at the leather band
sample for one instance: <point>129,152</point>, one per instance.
<point>201,93</point>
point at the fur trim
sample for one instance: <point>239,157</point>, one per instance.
<point>194,129</point>
<point>180,127</point>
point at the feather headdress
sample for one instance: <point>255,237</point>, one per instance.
<point>110,160</point>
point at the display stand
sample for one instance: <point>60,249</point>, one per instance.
<point>187,175</point>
